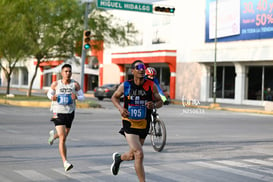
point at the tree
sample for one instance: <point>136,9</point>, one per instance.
<point>53,28</point>
<point>13,45</point>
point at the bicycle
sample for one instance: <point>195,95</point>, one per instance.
<point>158,133</point>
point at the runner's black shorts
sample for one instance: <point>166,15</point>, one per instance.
<point>142,133</point>
<point>64,119</point>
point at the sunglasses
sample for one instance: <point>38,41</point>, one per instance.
<point>140,66</point>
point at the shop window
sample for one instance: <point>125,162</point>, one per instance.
<point>225,82</point>
<point>161,30</point>
<point>163,76</point>
<point>268,83</point>
<point>92,82</point>
<point>47,79</point>
<point>254,82</point>
<point>260,83</point>
<point>93,62</point>
<point>24,76</point>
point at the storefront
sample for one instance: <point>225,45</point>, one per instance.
<point>163,60</point>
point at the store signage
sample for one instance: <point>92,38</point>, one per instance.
<point>124,5</point>
<point>239,20</point>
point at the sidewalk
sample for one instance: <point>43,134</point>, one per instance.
<point>204,105</point>
<point>228,107</point>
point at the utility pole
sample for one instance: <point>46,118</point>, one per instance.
<point>87,10</point>
<point>215,54</point>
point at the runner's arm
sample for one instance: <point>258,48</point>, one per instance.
<point>79,93</point>
<point>157,100</point>
<point>51,92</point>
<point>116,101</point>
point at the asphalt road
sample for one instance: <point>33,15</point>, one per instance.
<point>202,145</point>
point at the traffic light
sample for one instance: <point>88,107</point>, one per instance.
<point>86,39</point>
<point>160,9</point>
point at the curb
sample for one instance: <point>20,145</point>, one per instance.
<point>43,104</point>
<point>47,104</point>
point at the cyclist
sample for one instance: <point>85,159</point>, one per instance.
<point>150,74</point>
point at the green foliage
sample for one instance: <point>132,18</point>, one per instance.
<point>51,29</point>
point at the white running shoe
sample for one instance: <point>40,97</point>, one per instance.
<point>67,166</point>
<point>51,137</point>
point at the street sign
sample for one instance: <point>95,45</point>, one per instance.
<point>123,5</point>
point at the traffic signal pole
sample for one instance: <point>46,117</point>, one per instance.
<point>87,10</point>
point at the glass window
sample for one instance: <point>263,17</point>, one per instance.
<point>229,82</point>
<point>47,78</point>
<point>24,76</point>
<point>163,76</point>
<point>260,83</point>
<point>225,82</point>
<point>268,83</point>
<point>161,30</point>
<point>254,82</point>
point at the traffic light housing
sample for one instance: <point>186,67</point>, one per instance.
<point>160,9</point>
<point>86,39</point>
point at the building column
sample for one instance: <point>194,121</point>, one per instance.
<point>172,85</point>
<point>41,78</point>
<point>54,77</point>
<point>205,83</point>
<point>239,83</point>
<point>20,77</point>
<point>172,80</point>
<point>122,73</point>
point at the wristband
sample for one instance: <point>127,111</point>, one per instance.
<point>80,95</point>
<point>50,93</point>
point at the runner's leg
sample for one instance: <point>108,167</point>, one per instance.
<point>61,131</point>
<point>135,144</point>
<point>128,156</point>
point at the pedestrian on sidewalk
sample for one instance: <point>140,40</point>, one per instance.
<point>63,93</point>
<point>140,97</point>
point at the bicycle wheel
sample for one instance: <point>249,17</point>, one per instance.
<point>158,135</point>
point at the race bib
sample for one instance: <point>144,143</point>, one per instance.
<point>64,99</point>
<point>137,112</point>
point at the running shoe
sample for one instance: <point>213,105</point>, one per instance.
<point>67,166</point>
<point>51,137</point>
<point>116,163</point>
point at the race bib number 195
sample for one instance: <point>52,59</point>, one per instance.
<point>64,99</point>
<point>137,112</point>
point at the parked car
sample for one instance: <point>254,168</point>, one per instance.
<point>105,91</point>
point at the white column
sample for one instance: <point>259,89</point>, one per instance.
<point>20,77</point>
<point>205,81</point>
<point>240,83</point>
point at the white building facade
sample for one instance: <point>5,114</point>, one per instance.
<point>241,51</point>
<point>183,49</point>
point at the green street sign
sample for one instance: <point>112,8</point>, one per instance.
<point>123,5</point>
